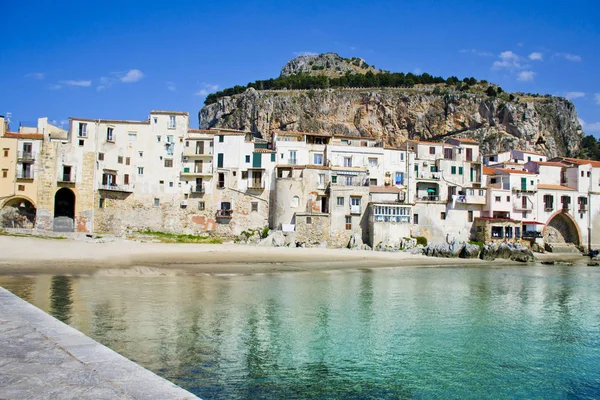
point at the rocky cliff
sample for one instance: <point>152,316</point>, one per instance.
<point>427,112</point>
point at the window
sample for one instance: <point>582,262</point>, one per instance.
<point>293,159</point>
<point>347,161</point>
<point>349,181</point>
<point>334,179</point>
<point>244,174</point>
<point>120,160</point>
<point>416,219</point>
<point>81,142</point>
<point>247,159</point>
<point>221,138</point>
<point>21,188</point>
<point>170,184</point>
<point>156,202</point>
<point>308,220</point>
<point>127,160</point>
<point>401,156</point>
<point>548,202</point>
<point>158,138</point>
<point>200,205</point>
<point>497,199</point>
<point>470,216</point>
<point>432,150</point>
<point>221,180</point>
<point>101,203</point>
<point>220,160</point>
<point>528,158</point>
<point>155,120</point>
<point>453,170</point>
<point>318,159</point>
<point>448,154</point>
<point>82,130</point>
<point>582,174</point>
<point>171,122</point>
<point>126,179</point>
<point>566,202</point>
<point>170,139</point>
<point>372,181</point>
<point>140,170</point>
<point>399,178</point>
<point>109,134</point>
<point>254,206</point>
<point>442,215</point>
<point>348,223</point>
<point>508,199</point>
<point>168,163</point>
<point>132,136</point>
<point>340,201</point>
<point>481,192</point>
<point>493,180</point>
<point>140,154</point>
<point>460,170</point>
<point>101,156</point>
<point>272,157</point>
<point>5,173</point>
<point>372,162</point>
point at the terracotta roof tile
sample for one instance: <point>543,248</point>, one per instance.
<point>16,135</point>
<point>488,171</point>
<point>554,187</point>
<point>514,171</point>
<point>550,163</point>
<point>580,161</point>
<point>466,140</point>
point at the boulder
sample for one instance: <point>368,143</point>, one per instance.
<point>470,251</point>
<point>443,250</point>
<point>278,238</point>
<point>504,251</point>
<point>488,253</point>
<point>386,246</point>
<point>522,255</point>
<point>365,247</point>
<point>355,242</point>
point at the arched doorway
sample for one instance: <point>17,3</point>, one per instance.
<point>562,229</point>
<point>64,210</point>
<point>18,213</point>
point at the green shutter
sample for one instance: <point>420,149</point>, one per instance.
<point>453,170</point>
<point>220,160</point>
<point>460,170</point>
<point>523,183</point>
<point>273,157</point>
<point>256,160</point>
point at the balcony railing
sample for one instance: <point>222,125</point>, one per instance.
<point>582,208</point>
<point>196,171</point>
<point>224,213</point>
<point>26,155</point>
<point>192,152</point>
<point>354,209</point>
<point>197,189</point>
<point>117,188</point>
<point>256,185</point>
<point>523,207</point>
<point>531,234</point>
<point>67,178</point>
<point>354,182</point>
<point>430,197</point>
<point>292,161</point>
<point>24,174</point>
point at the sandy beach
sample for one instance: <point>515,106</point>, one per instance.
<point>24,255</point>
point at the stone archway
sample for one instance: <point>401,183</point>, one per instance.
<point>18,212</point>
<point>561,228</point>
<point>64,210</point>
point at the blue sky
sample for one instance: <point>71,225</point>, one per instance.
<point>119,60</point>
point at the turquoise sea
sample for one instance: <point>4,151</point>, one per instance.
<point>530,332</point>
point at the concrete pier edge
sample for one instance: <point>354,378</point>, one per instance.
<point>41,357</point>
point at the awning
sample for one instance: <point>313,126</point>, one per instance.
<point>532,223</point>
<point>430,190</point>
<point>352,173</point>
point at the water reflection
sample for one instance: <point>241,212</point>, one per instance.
<point>60,298</point>
<point>397,333</point>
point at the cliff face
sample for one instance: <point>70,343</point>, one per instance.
<point>545,124</point>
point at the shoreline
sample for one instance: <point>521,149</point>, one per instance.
<point>28,255</point>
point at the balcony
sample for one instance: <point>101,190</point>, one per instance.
<point>254,185</point>
<point>582,208</point>
<point>468,199</point>
<point>292,161</point>
<point>354,209</point>
<point>224,213</point>
<point>197,171</point>
<point>117,188</point>
<point>66,178</point>
<point>197,189</point>
<point>26,156</point>
<point>192,152</point>
<point>429,176</point>
<point>24,174</point>
<point>428,198</point>
<point>517,189</point>
<point>521,207</point>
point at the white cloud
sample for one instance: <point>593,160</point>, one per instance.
<point>536,56</point>
<point>36,75</point>
<point>477,52</point>
<point>305,53</point>
<point>526,76</point>
<point>207,89</point>
<point>171,86</point>
<point>569,57</point>
<point>590,128</point>
<point>73,82</point>
<point>597,98</point>
<point>574,95</point>
<point>508,60</point>
<point>133,75</point>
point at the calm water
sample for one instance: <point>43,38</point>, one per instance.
<point>511,332</point>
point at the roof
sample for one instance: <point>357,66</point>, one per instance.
<point>550,163</point>
<point>488,171</point>
<point>16,135</point>
<point>580,161</point>
<point>200,131</point>
<point>385,189</point>
<point>295,133</point>
<point>169,112</point>
<point>497,219</point>
<point>110,121</point>
<point>533,223</point>
<point>466,140</point>
<point>421,142</point>
<point>513,171</point>
<point>530,152</point>
<point>554,187</point>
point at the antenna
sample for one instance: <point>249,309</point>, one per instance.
<point>8,116</point>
